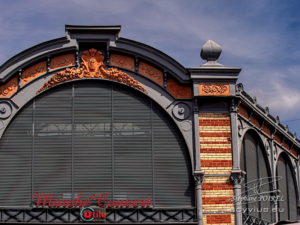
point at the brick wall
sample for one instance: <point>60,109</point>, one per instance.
<point>216,162</point>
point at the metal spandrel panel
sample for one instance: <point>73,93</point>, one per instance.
<point>172,179</point>
<point>52,143</point>
<point>92,139</point>
<point>15,161</point>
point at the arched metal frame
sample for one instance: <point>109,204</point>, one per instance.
<point>272,151</point>
<point>245,130</point>
<point>256,189</point>
<point>286,178</point>
<point>104,84</point>
<point>156,93</point>
<point>106,42</point>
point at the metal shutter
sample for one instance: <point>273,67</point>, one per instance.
<point>287,187</point>
<point>264,186</point>
<point>52,143</point>
<point>132,146</point>
<point>292,198</point>
<point>15,161</point>
<point>91,137</point>
<point>252,174</point>
<point>282,186</point>
<point>172,181</point>
<point>257,179</point>
<point>92,153</point>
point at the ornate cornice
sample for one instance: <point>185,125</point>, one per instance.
<point>92,66</point>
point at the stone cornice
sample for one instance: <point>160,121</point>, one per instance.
<point>217,73</point>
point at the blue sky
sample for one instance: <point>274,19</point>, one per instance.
<point>260,36</point>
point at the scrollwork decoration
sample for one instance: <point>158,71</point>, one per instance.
<point>92,66</point>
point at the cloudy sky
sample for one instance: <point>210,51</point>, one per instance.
<point>260,36</point>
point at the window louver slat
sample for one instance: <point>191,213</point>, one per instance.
<point>15,161</point>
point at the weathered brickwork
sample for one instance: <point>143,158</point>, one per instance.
<point>223,219</point>
<point>216,162</point>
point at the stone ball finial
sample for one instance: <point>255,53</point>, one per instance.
<point>210,51</point>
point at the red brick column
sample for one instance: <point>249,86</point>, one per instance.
<point>216,162</point>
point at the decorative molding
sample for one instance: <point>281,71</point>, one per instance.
<point>199,177</point>
<point>234,105</point>
<point>210,89</point>
<point>33,72</point>
<point>151,72</point>
<point>122,61</point>
<point>5,110</point>
<point>92,66</point>
<point>177,90</point>
<point>62,61</point>
<point>181,111</point>
<point>8,89</point>
<point>237,177</point>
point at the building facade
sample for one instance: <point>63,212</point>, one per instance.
<point>99,128</point>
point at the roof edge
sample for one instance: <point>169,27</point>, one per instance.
<point>264,113</point>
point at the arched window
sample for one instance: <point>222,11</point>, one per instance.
<point>256,187</point>
<point>91,137</point>
<point>286,184</point>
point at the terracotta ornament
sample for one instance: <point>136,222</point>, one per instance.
<point>92,66</point>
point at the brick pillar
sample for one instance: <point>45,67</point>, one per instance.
<point>216,162</point>
<point>213,89</point>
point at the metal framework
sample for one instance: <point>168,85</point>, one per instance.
<point>251,220</point>
<point>72,215</point>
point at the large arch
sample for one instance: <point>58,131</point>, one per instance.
<point>165,80</point>
<point>71,140</point>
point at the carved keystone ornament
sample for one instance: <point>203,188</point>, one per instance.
<point>92,66</point>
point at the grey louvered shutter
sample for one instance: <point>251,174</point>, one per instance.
<point>52,162</point>
<point>172,181</point>
<point>132,146</point>
<point>292,198</point>
<point>89,138</point>
<point>287,187</point>
<point>265,182</point>
<point>92,166</point>
<point>256,187</point>
<point>15,161</point>
<point>252,173</point>
<point>281,185</point>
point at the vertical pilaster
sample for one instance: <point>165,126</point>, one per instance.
<point>236,173</point>
<point>198,174</point>
<point>274,179</point>
<point>214,86</point>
